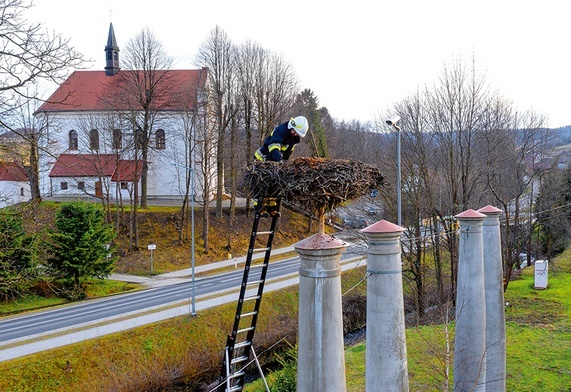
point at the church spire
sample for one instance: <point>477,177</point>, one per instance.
<point>111,53</point>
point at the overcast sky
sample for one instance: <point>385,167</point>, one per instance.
<point>360,57</point>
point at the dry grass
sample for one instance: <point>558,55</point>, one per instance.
<point>184,352</point>
<point>160,228</point>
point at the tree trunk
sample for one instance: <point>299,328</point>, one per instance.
<point>144,172</point>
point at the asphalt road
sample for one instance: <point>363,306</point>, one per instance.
<point>28,326</point>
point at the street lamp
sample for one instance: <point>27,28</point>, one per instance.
<point>193,296</point>
<point>393,121</point>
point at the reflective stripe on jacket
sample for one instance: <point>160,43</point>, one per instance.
<point>278,145</point>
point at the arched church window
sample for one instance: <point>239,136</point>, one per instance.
<point>117,139</point>
<point>73,140</point>
<point>160,139</point>
<point>94,139</point>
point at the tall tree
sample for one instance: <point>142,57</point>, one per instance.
<point>18,261</point>
<point>455,106</point>
<point>276,88</point>
<point>218,55</point>
<point>147,85</point>
<point>79,244</point>
<point>513,143</point>
<point>249,55</point>
<point>318,117</point>
<point>552,211</point>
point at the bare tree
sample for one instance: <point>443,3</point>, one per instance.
<point>276,88</point>
<point>218,55</point>
<point>148,88</point>
<point>30,54</point>
<point>455,106</point>
<point>513,143</point>
<point>249,55</point>
<point>207,136</point>
<point>192,134</point>
<point>346,133</point>
<point>26,131</point>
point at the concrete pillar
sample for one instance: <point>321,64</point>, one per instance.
<point>495,309</point>
<point>470,331</point>
<point>321,351</point>
<point>386,361</point>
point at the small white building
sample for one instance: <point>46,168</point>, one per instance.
<point>94,175</point>
<point>14,186</point>
<point>91,142</point>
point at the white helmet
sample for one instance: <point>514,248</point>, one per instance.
<point>300,125</point>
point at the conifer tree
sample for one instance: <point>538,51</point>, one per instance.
<point>79,244</point>
<point>17,257</point>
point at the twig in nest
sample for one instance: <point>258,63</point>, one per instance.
<point>316,184</point>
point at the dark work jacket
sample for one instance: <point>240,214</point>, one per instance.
<point>279,144</point>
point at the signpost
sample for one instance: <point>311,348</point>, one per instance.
<point>151,247</point>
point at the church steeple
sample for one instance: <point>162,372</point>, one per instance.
<point>111,53</point>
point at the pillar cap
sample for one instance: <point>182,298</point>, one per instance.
<point>383,227</point>
<point>470,214</point>
<point>489,209</point>
<point>320,241</point>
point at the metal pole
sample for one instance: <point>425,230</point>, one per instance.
<point>193,307</point>
<point>192,260</point>
<point>398,178</point>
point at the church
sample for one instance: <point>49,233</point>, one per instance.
<point>102,138</point>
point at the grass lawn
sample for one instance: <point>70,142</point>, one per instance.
<point>538,335</point>
<point>538,350</point>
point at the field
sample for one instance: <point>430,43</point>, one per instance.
<point>538,333</point>
<point>185,353</point>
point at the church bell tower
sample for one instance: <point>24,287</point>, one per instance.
<point>111,54</point>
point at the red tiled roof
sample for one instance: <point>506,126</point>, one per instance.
<point>127,170</point>
<point>84,165</point>
<point>11,171</point>
<point>94,91</point>
<point>93,165</point>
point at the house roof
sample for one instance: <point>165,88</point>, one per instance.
<point>11,171</point>
<point>96,165</point>
<point>17,134</point>
<point>127,170</point>
<point>95,91</point>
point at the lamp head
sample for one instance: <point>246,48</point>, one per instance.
<point>393,121</point>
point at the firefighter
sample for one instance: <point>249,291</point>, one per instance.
<point>281,142</point>
<point>277,147</point>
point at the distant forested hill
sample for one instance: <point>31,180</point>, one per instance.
<point>561,136</point>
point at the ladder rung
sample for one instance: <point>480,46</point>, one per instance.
<point>236,360</point>
<point>244,330</point>
<point>242,344</point>
<point>251,298</point>
<point>236,375</point>
<point>248,314</point>
<point>254,282</point>
<point>235,388</point>
<point>264,232</point>
<point>260,250</point>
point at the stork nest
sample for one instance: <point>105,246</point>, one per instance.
<point>315,184</point>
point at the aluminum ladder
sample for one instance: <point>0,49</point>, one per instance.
<point>239,342</point>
